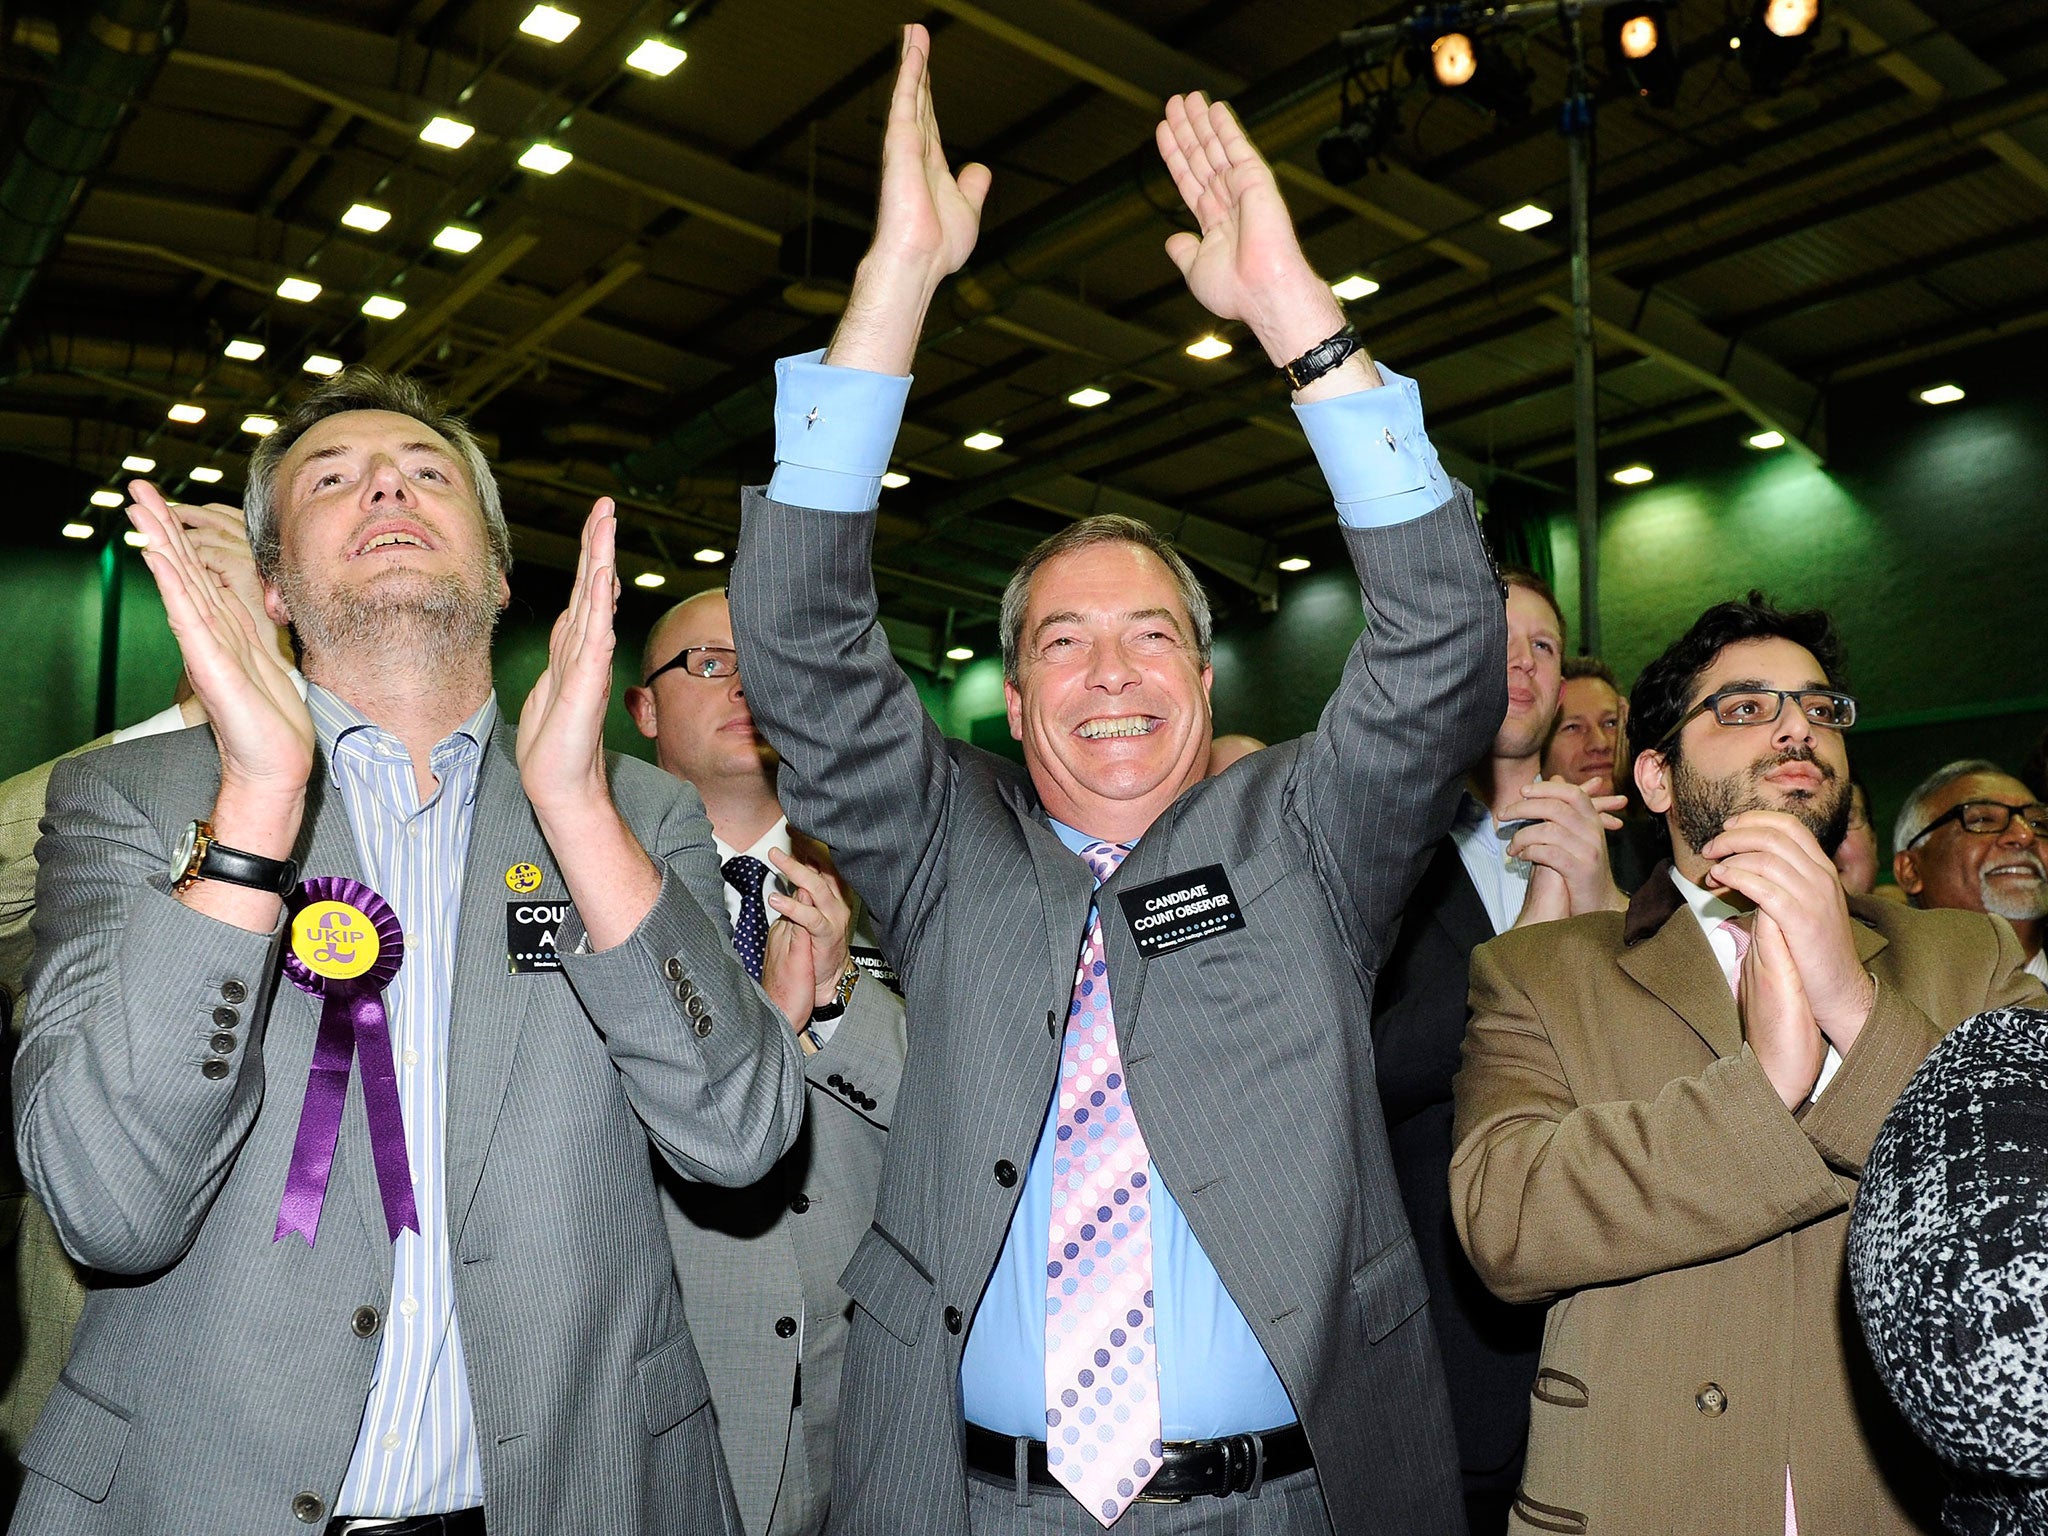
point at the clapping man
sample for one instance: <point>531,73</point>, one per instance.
<point>396,1117</point>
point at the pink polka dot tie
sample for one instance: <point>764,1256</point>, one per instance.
<point>1101,1371</point>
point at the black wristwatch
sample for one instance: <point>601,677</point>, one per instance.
<point>198,857</point>
<point>824,1013</point>
<point>1322,357</point>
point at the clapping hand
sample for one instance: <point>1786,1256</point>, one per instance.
<point>561,729</point>
<point>1777,1019</point>
<point>1566,834</point>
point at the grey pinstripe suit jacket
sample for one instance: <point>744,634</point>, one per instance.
<point>215,1376</point>
<point>749,1258</point>
<point>1249,1055</point>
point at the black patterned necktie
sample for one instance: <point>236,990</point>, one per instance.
<point>750,934</point>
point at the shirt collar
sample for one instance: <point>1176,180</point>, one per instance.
<point>337,724</point>
<point>1077,840</point>
<point>775,839</point>
<point>1708,907</point>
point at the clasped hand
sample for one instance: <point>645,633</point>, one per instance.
<point>1567,844</point>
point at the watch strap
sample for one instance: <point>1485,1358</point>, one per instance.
<point>1322,357</point>
<point>212,860</point>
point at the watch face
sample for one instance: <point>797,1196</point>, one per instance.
<point>181,856</point>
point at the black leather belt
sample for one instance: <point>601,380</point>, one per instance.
<point>1189,1468</point>
<point>461,1522</point>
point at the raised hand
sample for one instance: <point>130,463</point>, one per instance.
<point>561,729</point>
<point>787,969</point>
<point>1246,263</point>
<point>1777,1018</point>
<point>820,907</point>
<point>262,726</point>
<point>1567,833</point>
<point>925,226</point>
<point>1771,858</point>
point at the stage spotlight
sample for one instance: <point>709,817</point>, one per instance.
<point>1641,49</point>
<point>1456,63</point>
<point>1776,40</point>
<point>1361,136</point>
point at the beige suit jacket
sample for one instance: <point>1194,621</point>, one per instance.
<point>1621,1155</point>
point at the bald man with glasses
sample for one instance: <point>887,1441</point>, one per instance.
<point>1663,1115</point>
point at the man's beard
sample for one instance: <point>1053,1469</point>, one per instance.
<point>1704,805</point>
<point>2019,907</point>
<point>407,614</point>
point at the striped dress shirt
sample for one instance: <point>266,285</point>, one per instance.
<point>416,1452</point>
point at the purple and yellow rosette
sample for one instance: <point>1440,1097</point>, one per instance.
<point>344,947</point>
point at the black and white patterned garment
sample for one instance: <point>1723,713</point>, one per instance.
<point>1948,1260</point>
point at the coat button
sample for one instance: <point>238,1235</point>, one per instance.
<point>703,1028</point>
<point>835,1081</point>
<point>695,1006</point>
<point>213,1068</point>
<point>222,1042</point>
<point>309,1508</point>
<point>672,968</point>
<point>1712,1401</point>
<point>233,991</point>
<point>226,1017</point>
<point>1006,1172</point>
<point>867,1102</point>
<point>952,1319</point>
<point>800,1203</point>
<point>364,1322</point>
<point>785,1327</point>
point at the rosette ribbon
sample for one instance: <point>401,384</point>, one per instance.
<point>345,945</point>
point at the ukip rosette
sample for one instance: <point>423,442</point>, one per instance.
<point>345,946</point>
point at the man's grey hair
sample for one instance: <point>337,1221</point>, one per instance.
<point>366,389</point>
<point>1913,816</point>
<point>1107,528</point>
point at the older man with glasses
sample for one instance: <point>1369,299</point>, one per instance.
<point>1974,838</point>
<point>1663,1114</point>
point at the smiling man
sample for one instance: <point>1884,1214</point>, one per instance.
<point>1662,1115</point>
<point>1975,838</point>
<point>396,1119</point>
<point>1138,1227</point>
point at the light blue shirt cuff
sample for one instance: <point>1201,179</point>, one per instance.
<point>1381,466</point>
<point>834,431</point>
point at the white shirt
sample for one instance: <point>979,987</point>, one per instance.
<point>1711,910</point>
<point>2038,966</point>
<point>1502,882</point>
<point>173,719</point>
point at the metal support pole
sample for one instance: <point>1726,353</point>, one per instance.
<point>111,566</point>
<point>1577,124</point>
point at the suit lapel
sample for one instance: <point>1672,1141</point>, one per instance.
<point>1678,967</point>
<point>488,1007</point>
<point>1154,860</point>
<point>1461,910</point>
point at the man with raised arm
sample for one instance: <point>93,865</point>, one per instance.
<point>362,1157</point>
<point>1138,1247</point>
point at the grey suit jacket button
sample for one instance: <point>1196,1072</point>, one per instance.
<point>800,1203</point>
<point>835,1081</point>
<point>785,1327</point>
<point>703,1028</point>
<point>694,1006</point>
<point>309,1508</point>
<point>222,1042</point>
<point>233,991</point>
<point>1006,1172</point>
<point>226,1017</point>
<point>672,968</point>
<point>213,1068</point>
<point>364,1322</point>
<point>953,1319</point>
<point>1712,1401</point>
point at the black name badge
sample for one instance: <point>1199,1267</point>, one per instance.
<point>1180,910</point>
<point>531,928</point>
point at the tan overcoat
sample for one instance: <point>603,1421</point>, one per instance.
<point>1621,1155</point>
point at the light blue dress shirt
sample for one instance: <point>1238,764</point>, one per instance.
<point>834,431</point>
<point>416,1452</point>
<point>835,428</point>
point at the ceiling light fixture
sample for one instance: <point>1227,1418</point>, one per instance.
<point>1356,286</point>
<point>981,442</point>
<point>1765,441</point>
<point>656,58</point>
<point>300,290</point>
<point>960,653</point>
<point>458,238</point>
<point>134,540</point>
<point>187,415</point>
<point>447,133</point>
<point>1208,348</point>
<point>381,306</point>
<point>708,556</point>
<point>549,24</point>
<point>1088,398</point>
<point>1941,394</point>
<point>138,464</point>
<point>108,499</point>
<point>326,367</point>
<point>544,158</point>
<point>649,579</point>
<point>366,217</point>
<point>78,530</point>
<point>259,426</point>
<point>1527,217</point>
<point>243,350</point>
<point>894,480</point>
<point>1294,563</point>
<point>206,474</point>
<point>1634,474</point>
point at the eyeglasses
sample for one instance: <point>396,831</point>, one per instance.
<point>1987,818</point>
<point>701,661</point>
<point>1762,706</point>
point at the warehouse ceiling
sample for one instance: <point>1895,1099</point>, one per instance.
<point>613,329</point>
